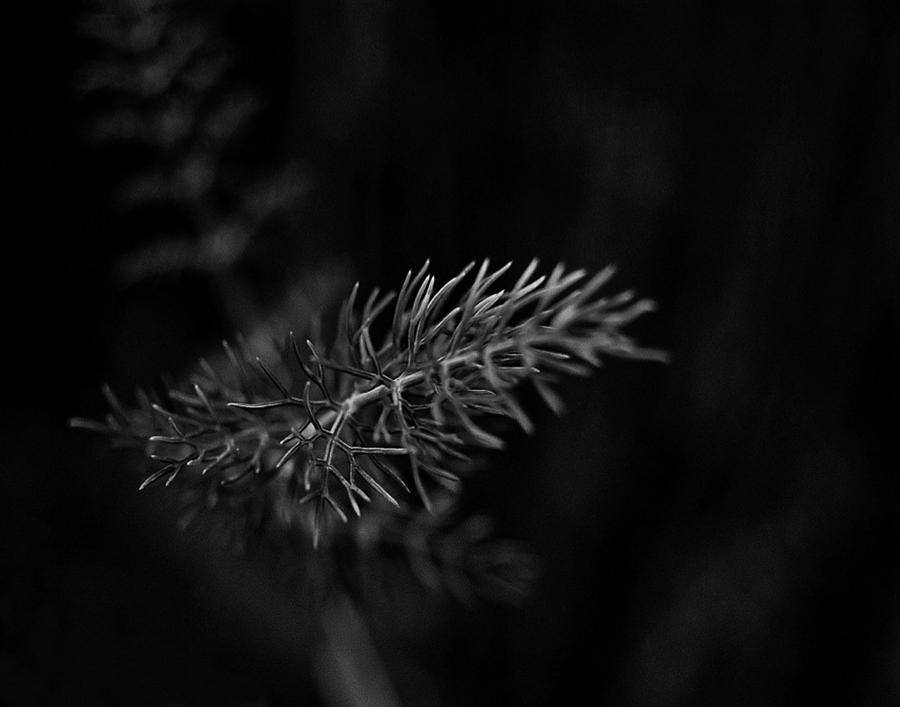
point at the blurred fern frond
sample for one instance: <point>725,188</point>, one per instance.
<point>162,88</point>
<point>398,400</point>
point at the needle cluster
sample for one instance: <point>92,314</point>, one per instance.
<point>398,400</point>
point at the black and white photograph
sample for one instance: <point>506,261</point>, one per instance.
<point>368,353</point>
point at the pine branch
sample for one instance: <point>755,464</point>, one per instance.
<point>382,409</point>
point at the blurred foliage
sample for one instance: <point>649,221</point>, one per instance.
<point>169,111</point>
<point>722,531</point>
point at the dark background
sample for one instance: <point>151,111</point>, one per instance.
<point>722,530</point>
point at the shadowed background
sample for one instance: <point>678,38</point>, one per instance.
<point>722,530</point>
